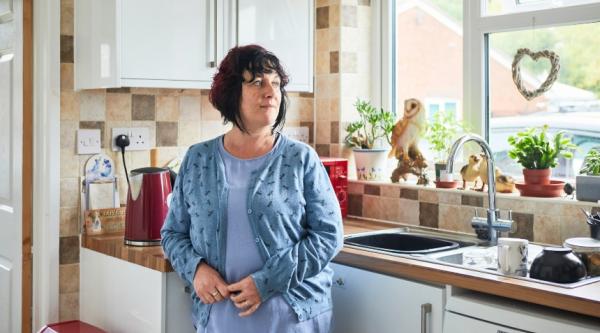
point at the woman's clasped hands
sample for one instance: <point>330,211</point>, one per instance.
<point>211,288</point>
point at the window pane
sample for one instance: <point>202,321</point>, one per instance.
<point>428,56</point>
<point>571,104</point>
<point>500,7</point>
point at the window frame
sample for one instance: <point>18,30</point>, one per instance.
<point>476,27</point>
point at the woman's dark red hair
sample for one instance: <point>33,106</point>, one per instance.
<point>226,90</point>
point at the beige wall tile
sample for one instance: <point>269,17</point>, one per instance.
<point>66,18</point>
<point>334,15</point>
<point>212,129</point>
<point>322,110</point>
<point>380,207</point>
<point>357,188</point>
<point>68,306</point>
<point>208,111</point>
<point>428,196</point>
<point>92,105</point>
<point>322,42</point>
<point>547,208</point>
<point>335,40</point>
<point>69,162</point>
<point>573,226</point>
<point>139,159</point>
<point>118,107</point>
<point>66,77</point>
<point>547,229</point>
<point>167,108</point>
<point>364,17</point>
<point>69,221</point>
<point>323,133</point>
<point>322,62</point>
<point>189,133</point>
<point>189,108</point>
<point>449,197</point>
<point>517,204</point>
<point>69,192</point>
<point>145,91</point>
<point>68,278</point>
<point>68,137</point>
<point>69,105</point>
<point>408,211</point>
<point>390,191</point>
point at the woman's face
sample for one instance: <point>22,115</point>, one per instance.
<point>260,102</point>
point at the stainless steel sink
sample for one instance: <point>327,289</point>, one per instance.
<point>441,247</point>
<point>406,241</point>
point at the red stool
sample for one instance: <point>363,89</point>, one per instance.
<point>73,326</point>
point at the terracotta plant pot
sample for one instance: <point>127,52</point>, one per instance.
<point>537,176</point>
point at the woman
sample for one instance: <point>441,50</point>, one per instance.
<point>254,220</point>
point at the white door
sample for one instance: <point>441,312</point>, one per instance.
<point>11,131</point>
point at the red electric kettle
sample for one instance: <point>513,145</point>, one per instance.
<point>146,205</point>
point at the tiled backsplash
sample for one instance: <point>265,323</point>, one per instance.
<point>542,220</point>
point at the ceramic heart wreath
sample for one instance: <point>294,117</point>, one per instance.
<point>516,71</point>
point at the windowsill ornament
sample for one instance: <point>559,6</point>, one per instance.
<point>405,139</point>
<point>547,84</point>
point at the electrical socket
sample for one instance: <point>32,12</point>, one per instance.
<point>139,138</point>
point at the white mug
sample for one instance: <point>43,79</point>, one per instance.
<point>512,256</point>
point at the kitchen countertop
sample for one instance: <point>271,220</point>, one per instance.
<point>584,299</point>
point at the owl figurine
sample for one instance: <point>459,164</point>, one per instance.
<point>407,130</point>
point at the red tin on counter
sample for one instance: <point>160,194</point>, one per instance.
<point>337,168</point>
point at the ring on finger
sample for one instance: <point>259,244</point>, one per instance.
<point>215,293</point>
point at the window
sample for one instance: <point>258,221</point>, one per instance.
<point>432,39</point>
<point>428,48</point>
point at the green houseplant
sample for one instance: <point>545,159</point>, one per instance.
<point>587,182</point>
<point>363,137</point>
<point>537,152</point>
<point>441,132</point>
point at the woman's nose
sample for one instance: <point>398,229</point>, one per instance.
<point>269,90</point>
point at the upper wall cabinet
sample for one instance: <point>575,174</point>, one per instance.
<point>179,43</point>
<point>285,27</point>
<point>149,43</point>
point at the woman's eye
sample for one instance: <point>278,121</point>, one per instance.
<point>276,84</point>
<point>256,83</point>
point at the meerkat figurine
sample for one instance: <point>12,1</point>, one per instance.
<point>471,171</point>
<point>407,130</point>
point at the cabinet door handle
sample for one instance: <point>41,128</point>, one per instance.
<point>425,310</point>
<point>6,55</point>
<point>213,62</point>
<point>6,17</point>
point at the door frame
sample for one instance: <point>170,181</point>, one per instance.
<point>46,161</point>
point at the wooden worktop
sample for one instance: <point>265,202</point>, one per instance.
<point>584,299</point>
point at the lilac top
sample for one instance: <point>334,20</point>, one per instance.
<point>242,258</point>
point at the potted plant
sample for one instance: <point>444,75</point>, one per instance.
<point>365,136</point>
<point>587,182</point>
<point>441,132</point>
<point>538,153</point>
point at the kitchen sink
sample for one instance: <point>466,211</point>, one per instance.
<point>445,248</point>
<point>405,241</point>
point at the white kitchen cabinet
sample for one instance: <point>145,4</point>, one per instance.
<point>364,301</point>
<point>119,296</point>
<point>470,311</point>
<point>149,43</point>
<point>286,28</point>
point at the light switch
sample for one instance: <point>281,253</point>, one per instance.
<point>88,141</point>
